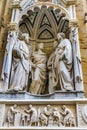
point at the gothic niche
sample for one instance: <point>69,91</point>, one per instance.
<point>40,58</point>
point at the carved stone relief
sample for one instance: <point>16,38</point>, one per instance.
<point>40,115</point>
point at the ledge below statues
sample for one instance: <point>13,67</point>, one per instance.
<point>27,96</point>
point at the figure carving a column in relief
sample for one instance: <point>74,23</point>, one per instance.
<point>16,68</point>
<point>33,115</point>
<point>13,116</point>
<point>62,77</point>
<point>68,117</point>
<point>44,116</point>
<point>38,64</point>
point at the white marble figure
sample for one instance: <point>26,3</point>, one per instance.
<point>61,65</point>
<point>68,117</point>
<point>13,116</point>
<point>38,71</point>
<point>44,116</point>
<point>33,115</point>
<point>17,66</point>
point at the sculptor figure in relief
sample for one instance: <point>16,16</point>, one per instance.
<point>38,71</point>
<point>20,64</point>
<point>33,115</point>
<point>68,117</point>
<point>13,115</point>
<point>44,115</point>
<point>61,62</point>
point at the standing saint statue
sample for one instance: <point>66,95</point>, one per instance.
<point>60,64</point>
<point>18,70</point>
<point>38,71</point>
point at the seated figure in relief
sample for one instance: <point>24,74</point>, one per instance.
<point>38,65</point>
<point>16,64</point>
<point>60,66</point>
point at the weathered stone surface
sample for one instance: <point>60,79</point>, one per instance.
<point>81,10</point>
<point>70,99</point>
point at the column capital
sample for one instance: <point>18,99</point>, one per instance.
<point>16,4</point>
<point>71,2</point>
<point>12,26</point>
<point>73,23</point>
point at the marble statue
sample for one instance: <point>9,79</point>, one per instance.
<point>44,116</point>
<point>17,63</point>
<point>38,64</point>
<point>33,115</point>
<point>61,65</point>
<point>68,117</point>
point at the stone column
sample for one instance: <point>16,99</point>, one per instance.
<point>16,8</point>
<point>74,37</point>
<point>12,30</point>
